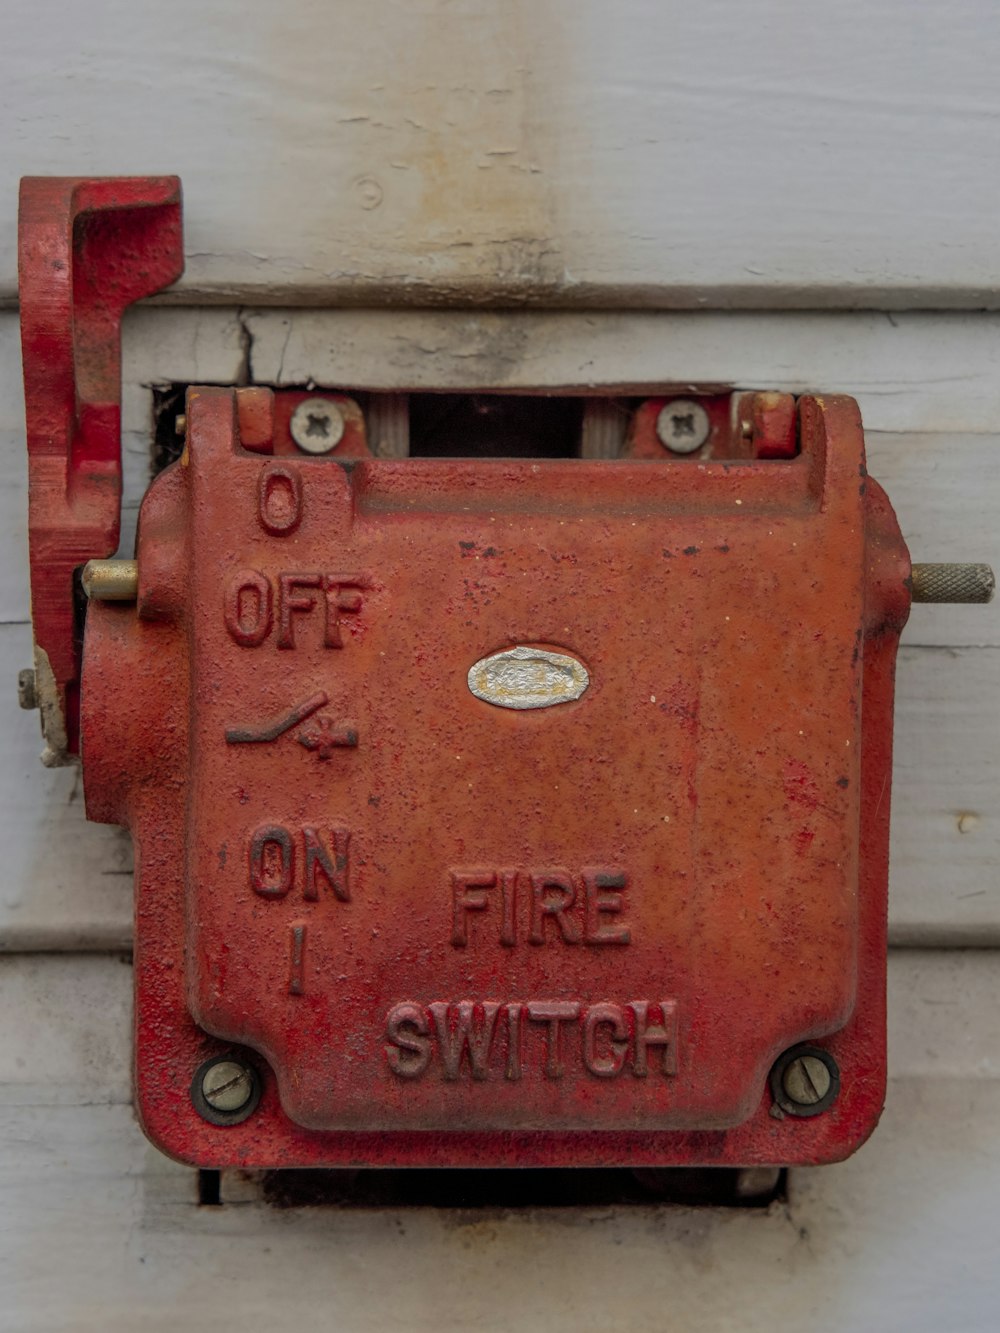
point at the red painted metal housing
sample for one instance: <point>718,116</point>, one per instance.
<point>446,931</point>
<point>87,248</point>
<point>454,932</point>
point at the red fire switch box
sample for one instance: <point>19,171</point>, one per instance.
<point>486,811</point>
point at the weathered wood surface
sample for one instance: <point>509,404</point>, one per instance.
<point>911,372</point>
<point>928,387</point>
<point>800,154</point>
<point>67,884</point>
<point>794,157</point>
<point>99,1233</point>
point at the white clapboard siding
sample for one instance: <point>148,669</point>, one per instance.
<point>200,346</point>
<point>796,153</point>
<point>928,386</point>
<point>67,884</point>
<point>913,373</point>
<point>916,371</point>
<point>945,845</point>
<point>100,1234</point>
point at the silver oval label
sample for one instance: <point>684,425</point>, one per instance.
<point>528,678</point>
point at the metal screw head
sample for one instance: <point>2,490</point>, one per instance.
<point>683,426</point>
<point>317,425</point>
<point>227,1086</point>
<point>805,1081</point>
<point>225,1091</point>
<point>27,695</point>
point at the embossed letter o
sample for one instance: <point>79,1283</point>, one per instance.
<point>272,861</point>
<point>249,607</point>
<point>279,499</point>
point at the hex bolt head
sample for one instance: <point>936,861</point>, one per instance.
<point>317,425</point>
<point>27,694</point>
<point>225,1091</point>
<point>805,1081</point>
<point>683,426</point>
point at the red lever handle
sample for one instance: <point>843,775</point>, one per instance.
<point>87,248</point>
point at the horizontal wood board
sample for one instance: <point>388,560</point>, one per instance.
<point>100,1233</point>
<point>930,395</point>
<point>797,154</point>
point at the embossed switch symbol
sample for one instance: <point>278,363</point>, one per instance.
<point>277,726</point>
<point>323,736</point>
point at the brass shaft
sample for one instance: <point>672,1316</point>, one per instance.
<point>953,583</point>
<point>111,580</point>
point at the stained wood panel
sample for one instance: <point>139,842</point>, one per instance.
<point>798,154</point>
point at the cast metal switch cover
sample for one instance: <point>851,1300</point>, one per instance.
<point>490,811</point>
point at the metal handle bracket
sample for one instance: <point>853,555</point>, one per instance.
<point>87,248</point>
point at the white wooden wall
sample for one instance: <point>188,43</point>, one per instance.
<point>787,194</point>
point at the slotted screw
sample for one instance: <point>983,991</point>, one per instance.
<point>806,1081</point>
<point>227,1086</point>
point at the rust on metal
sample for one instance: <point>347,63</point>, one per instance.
<point>87,248</point>
<point>395,908</point>
<point>489,934</point>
